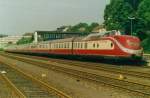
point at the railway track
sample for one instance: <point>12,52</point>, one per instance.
<point>27,86</point>
<point>141,89</point>
<point>95,66</point>
<point>5,91</point>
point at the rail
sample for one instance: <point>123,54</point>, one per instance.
<point>130,86</point>
<point>17,92</point>
<point>39,82</point>
<point>86,65</point>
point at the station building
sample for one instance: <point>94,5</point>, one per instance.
<point>51,35</point>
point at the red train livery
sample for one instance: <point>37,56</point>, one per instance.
<point>99,45</point>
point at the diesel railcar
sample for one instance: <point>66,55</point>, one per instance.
<point>105,44</point>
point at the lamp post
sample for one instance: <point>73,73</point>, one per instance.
<point>131,18</point>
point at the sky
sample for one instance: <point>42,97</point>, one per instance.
<point>20,16</point>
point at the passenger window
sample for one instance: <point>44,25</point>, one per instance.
<point>81,45</point>
<point>78,45</point>
<point>59,45</point>
<point>56,45</point>
<point>68,45</point>
<point>111,45</point>
<point>97,45</point>
<point>94,45</point>
<point>62,45</point>
<point>85,45</point>
<point>65,45</point>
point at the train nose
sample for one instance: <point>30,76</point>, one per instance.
<point>137,54</point>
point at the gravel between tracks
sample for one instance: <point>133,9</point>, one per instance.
<point>5,91</point>
<point>75,87</point>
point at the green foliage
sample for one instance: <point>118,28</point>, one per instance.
<point>146,45</point>
<point>92,26</point>
<point>144,24</point>
<point>77,28</point>
<point>2,35</point>
<point>144,14</point>
<point>83,27</point>
<point>134,3</point>
<point>116,15</point>
<point>1,49</point>
<point>25,40</point>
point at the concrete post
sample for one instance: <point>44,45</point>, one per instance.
<point>35,37</point>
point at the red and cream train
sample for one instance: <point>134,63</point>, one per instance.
<point>105,44</point>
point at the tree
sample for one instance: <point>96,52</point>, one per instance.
<point>146,45</point>
<point>81,27</point>
<point>134,3</point>
<point>92,26</point>
<point>116,15</point>
<point>143,14</point>
<point>25,40</point>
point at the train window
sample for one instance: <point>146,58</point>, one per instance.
<point>49,45</point>
<point>94,45</point>
<point>75,45</point>
<point>59,45</point>
<point>68,45</point>
<point>78,45</point>
<point>97,45</point>
<point>54,45</point>
<point>85,45</point>
<point>81,45</point>
<point>112,45</point>
<point>65,46</point>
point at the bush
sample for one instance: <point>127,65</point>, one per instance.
<point>25,41</point>
<point>1,49</point>
<point>146,45</point>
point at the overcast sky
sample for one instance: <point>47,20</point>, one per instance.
<point>20,16</point>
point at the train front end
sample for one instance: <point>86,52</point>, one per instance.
<point>130,45</point>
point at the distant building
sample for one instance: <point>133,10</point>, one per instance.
<point>51,35</point>
<point>2,35</point>
<point>9,40</point>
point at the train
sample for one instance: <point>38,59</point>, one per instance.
<point>107,44</point>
